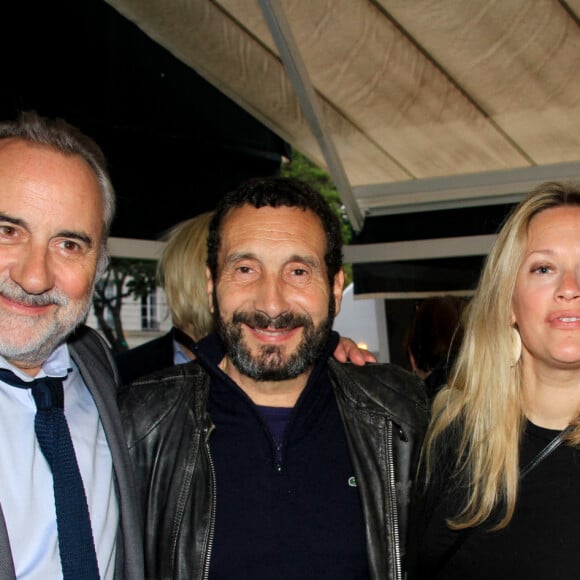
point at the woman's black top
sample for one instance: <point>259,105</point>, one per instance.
<point>541,541</point>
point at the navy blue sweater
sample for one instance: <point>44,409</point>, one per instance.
<point>283,512</point>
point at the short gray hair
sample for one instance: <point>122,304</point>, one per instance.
<point>60,136</point>
<point>64,138</point>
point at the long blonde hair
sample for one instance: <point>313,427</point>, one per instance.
<point>182,274</point>
<point>483,400</point>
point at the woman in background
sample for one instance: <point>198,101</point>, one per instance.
<point>181,274</point>
<point>502,458</point>
<point>434,338</point>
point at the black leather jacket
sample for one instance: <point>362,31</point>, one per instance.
<point>168,431</point>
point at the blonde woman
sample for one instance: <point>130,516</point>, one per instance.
<point>502,454</point>
<point>181,273</point>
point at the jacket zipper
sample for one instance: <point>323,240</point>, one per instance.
<point>395,508</point>
<point>211,527</point>
<point>278,457</point>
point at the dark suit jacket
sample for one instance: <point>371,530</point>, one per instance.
<point>146,358</point>
<point>95,363</point>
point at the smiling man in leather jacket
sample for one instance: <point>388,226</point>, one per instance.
<point>265,458</point>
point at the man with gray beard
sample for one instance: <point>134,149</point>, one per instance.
<point>266,458</point>
<point>67,504</point>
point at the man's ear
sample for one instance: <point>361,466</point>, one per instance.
<point>337,288</point>
<point>209,287</point>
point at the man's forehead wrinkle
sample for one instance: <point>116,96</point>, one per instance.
<point>268,231</point>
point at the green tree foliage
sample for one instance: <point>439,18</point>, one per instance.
<point>302,168</point>
<point>124,277</point>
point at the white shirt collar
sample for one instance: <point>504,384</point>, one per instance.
<point>56,365</point>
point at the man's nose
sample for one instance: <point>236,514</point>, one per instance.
<point>32,270</point>
<point>271,297</point>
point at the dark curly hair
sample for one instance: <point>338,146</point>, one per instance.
<point>278,192</point>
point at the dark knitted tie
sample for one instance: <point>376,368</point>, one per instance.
<point>75,537</point>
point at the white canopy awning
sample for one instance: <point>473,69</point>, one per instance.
<point>410,105</point>
<point>395,97</point>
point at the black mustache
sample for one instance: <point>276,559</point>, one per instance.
<point>260,320</point>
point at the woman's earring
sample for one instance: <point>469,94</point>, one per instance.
<point>516,347</point>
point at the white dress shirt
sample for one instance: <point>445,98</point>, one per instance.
<point>26,487</point>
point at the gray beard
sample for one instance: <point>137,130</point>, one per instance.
<point>46,334</point>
